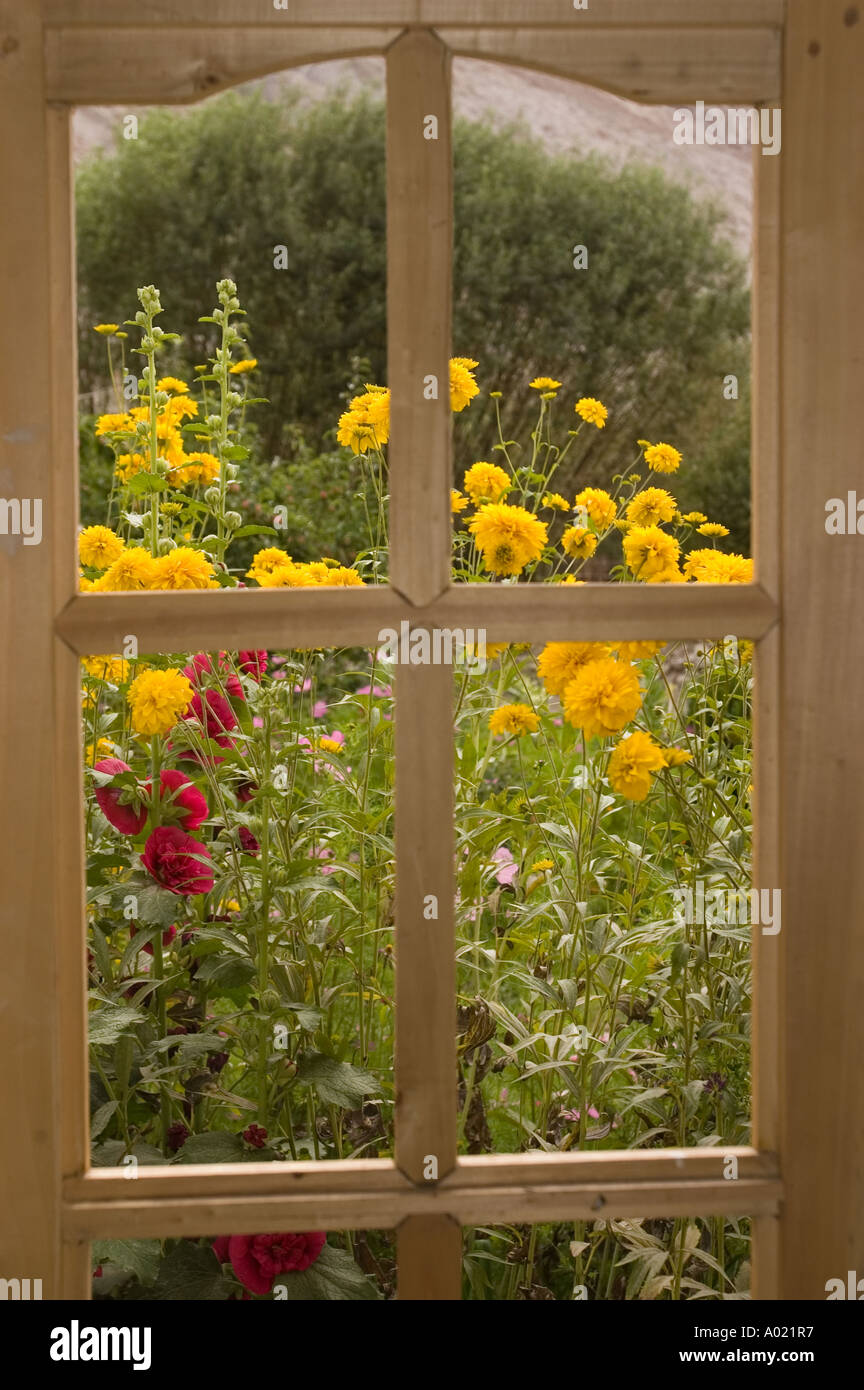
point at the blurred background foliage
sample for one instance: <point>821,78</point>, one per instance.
<point>652,327</point>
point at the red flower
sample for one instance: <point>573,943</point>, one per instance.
<point>246,790</point>
<point>259,1260</point>
<point>176,1136</point>
<point>202,664</point>
<point>213,711</point>
<point>248,841</point>
<point>255,1135</point>
<point>187,806</point>
<point>178,862</point>
<point>253,663</point>
<point>167,937</point>
<point>128,817</point>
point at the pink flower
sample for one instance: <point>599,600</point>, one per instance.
<point>127,817</point>
<point>319,709</point>
<point>213,711</point>
<point>177,862</point>
<point>253,663</point>
<point>259,1260</point>
<point>180,800</point>
<point>509,868</point>
<point>304,688</point>
<point>202,664</point>
<point>377,691</point>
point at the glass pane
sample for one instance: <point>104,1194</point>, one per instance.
<point>604,909</point>
<point>240,927</point>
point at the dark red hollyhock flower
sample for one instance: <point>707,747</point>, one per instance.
<point>216,1061</point>
<point>128,818</point>
<point>255,1135</point>
<point>215,714</point>
<point>253,663</point>
<point>176,1136</point>
<point>246,791</point>
<point>248,841</point>
<point>180,799</point>
<point>177,862</point>
<point>259,1260</point>
<point>97,1273</point>
<point>167,937</point>
<point>202,664</point>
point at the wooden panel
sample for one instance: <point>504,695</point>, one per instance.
<point>666,66</point>
<point>205,621</point>
<point>419,294</point>
<point>767,802</point>
<point>822,735</point>
<point>426,1115</point>
<point>370,1194</point>
<point>138,67</point>
<point>32,815</point>
<point>72,1142</point>
<point>212,13</point>
<point>429,1259</point>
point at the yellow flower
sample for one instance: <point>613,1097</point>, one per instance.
<point>158,699</point>
<point>604,696</point>
<point>177,409</point>
<point>182,568</point>
<point>713,567</point>
<point>115,424</point>
<point>649,551</point>
<point>650,506</point>
<point>544,383</point>
<point>662,458</point>
<point>676,757</point>
<point>198,468</point>
<point>329,745</point>
<point>486,482</point>
<point>85,585</point>
<point>555,500</point>
<point>458,503</point>
<point>514,719</point>
<point>246,364</point>
<point>541,866</point>
<point>365,424</point>
<point>134,569</point>
<point>105,328</point>
<point>130,464</point>
<point>635,651</point>
<point>694,517</point>
<point>745,650</point>
<point>560,662</point>
<point>631,764</point>
<point>592,411</point>
<point>342,578</point>
<point>578,543</point>
<point>599,506</point>
<point>171,383</point>
<point>106,668</point>
<point>98,547</point>
<point>102,748</point>
<point>508,538</point>
<point>712,528</point>
<point>266,561</point>
<point>463,387</point>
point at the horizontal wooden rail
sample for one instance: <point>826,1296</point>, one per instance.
<point>97,624</point>
<point>371,1194</point>
<point>164,14</point>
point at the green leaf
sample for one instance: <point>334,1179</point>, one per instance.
<point>143,483</point>
<point>218,1147</point>
<point>229,972</point>
<point>253,531</point>
<point>191,1272</point>
<point>337,1083</point>
<point>157,907</point>
<point>101,1117</point>
<point>333,1277</point>
<point>141,1257</point>
<point>110,1023</point>
<point>235,452</point>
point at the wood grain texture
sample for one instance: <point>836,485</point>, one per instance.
<point>425,936</point>
<point>429,1259</point>
<point>31,813</point>
<point>419,296</point>
<point>163,14</point>
<point>666,66</point>
<point>822,657</point>
<point>206,621</point>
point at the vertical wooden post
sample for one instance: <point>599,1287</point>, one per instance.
<point>822,578</point>
<point>419,293</point>
<point>429,1260</point>
<point>33,814</point>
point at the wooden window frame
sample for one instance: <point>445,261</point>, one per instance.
<point>800,1179</point>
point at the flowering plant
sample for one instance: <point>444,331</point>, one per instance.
<point>240,860</point>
